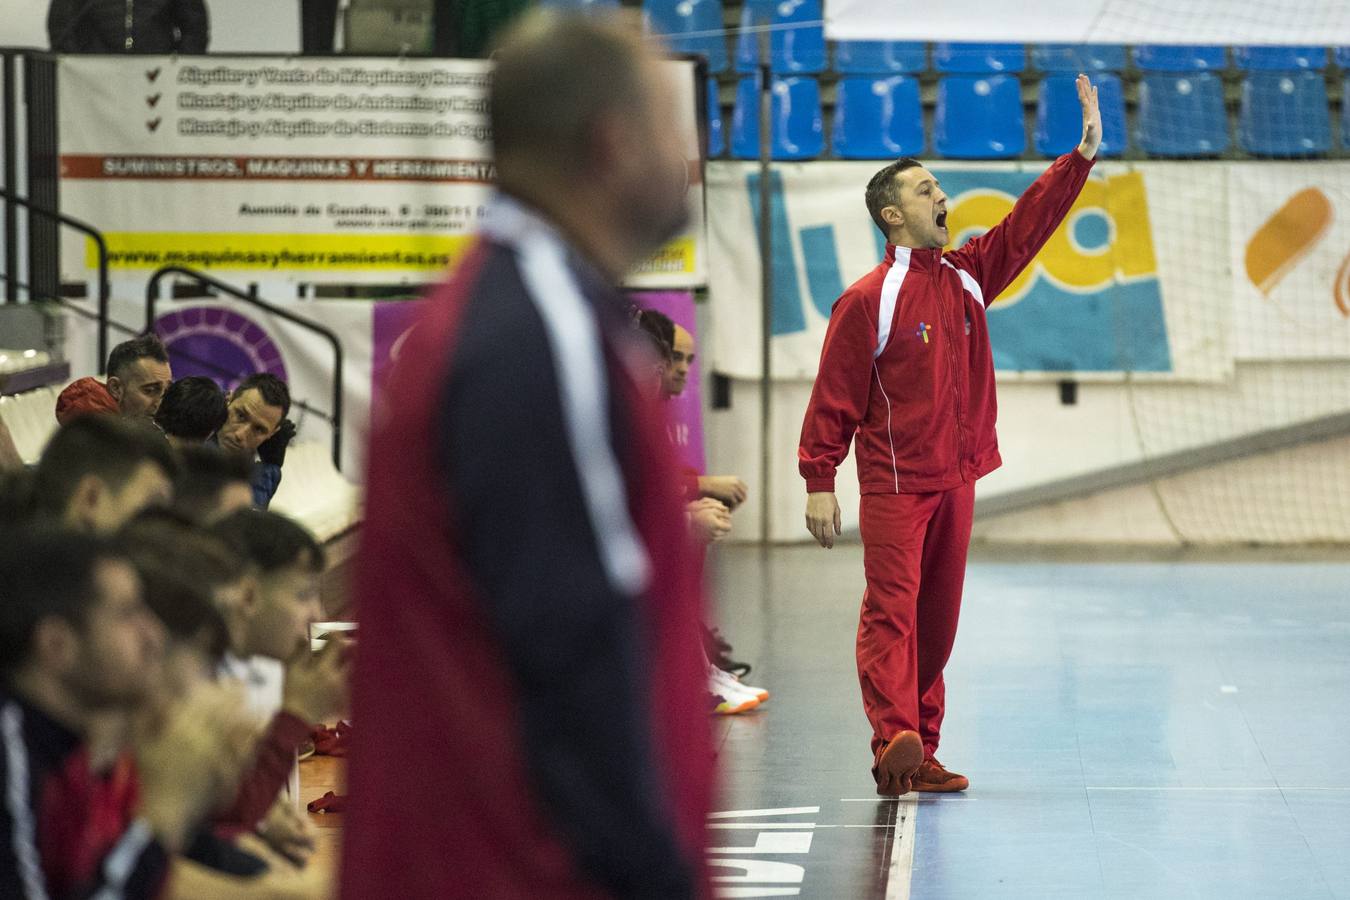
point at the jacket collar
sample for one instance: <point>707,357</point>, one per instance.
<point>918,258</point>
<point>49,738</point>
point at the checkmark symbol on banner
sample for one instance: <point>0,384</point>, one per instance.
<point>153,124</point>
<point>153,100</point>
<point>152,74</point>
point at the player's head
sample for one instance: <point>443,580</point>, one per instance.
<point>74,628</point>
<point>98,471</point>
<point>256,410</point>
<point>211,483</point>
<point>681,358</point>
<point>907,204</point>
<point>288,561</point>
<point>660,333</point>
<point>138,375</point>
<point>581,126</point>
<point>192,410</point>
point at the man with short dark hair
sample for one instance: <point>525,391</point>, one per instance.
<point>257,427</point>
<point>907,365</point>
<point>193,409</point>
<point>99,471</point>
<point>211,483</point>
<point>523,561</point>
<point>138,375</point>
<point>269,621</point>
<point>77,642</point>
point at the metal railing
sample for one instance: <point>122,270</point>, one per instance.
<point>152,300</point>
<point>101,244</point>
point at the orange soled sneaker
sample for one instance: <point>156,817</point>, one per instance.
<point>896,763</point>
<point>933,778</point>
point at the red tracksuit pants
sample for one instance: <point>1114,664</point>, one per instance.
<point>914,557</point>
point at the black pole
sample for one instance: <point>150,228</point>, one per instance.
<point>765,285</point>
<point>11,176</point>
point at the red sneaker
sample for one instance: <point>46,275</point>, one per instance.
<point>896,762</point>
<point>933,778</point>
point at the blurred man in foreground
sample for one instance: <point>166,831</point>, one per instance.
<point>524,573</point>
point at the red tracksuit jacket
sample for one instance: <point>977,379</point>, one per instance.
<point>907,363</point>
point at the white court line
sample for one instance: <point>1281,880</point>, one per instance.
<point>902,851</point>
<point>909,798</point>
<point>1222,790</point>
<point>755,813</point>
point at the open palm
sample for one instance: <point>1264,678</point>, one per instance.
<point>1092,118</point>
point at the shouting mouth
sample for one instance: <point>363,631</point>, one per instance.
<point>941,218</point>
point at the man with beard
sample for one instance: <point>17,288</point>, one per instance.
<point>524,574</point>
<point>138,377</point>
<point>78,643</point>
<point>256,428</point>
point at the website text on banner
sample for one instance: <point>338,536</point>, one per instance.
<point>317,170</point>
<point>1091,21</point>
<point>1099,300</point>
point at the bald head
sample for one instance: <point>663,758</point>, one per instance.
<point>584,128</point>
<point>556,75</point>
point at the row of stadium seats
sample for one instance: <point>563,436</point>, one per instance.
<point>797,45</point>
<point>1282,114</point>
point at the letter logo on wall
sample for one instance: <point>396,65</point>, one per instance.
<point>1091,300</point>
<point>218,343</point>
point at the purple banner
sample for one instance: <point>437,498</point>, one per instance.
<point>686,410</point>
<point>390,322</point>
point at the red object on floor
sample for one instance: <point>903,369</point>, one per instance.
<point>914,557</point>
<point>328,803</point>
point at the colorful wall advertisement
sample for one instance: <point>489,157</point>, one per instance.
<point>1096,301</point>
<point>1290,245</point>
<point>319,170</point>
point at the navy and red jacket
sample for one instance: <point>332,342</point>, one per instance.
<point>907,364</point>
<point>528,680</point>
<point>65,831</point>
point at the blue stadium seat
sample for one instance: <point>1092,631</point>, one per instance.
<point>880,57</point>
<point>796,43</point>
<point>979,117</point>
<point>798,126</point>
<point>1280,59</point>
<point>878,118</point>
<point>1182,115</point>
<point>1343,57</point>
<point>1059,116</point>
<point>1345,111</point>
<point>690,26</point>
<point>975,59</point>
<point>1284,114</point>
<point>717,142</point>
<point>1074,58</point>
<point>1179,58</point>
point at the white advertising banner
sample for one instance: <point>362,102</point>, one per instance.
<point>1290,243</point>
<point>1322,22</point>
<point>332,170</point>
<point>1128,284</point>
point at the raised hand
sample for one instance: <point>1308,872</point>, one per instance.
<point>1092,118</point>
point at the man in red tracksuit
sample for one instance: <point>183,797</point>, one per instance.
<point>907,366</point>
